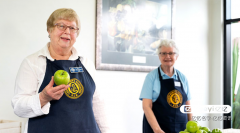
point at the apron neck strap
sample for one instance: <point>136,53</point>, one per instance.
<point>159,73</point>
<point>160,76</point>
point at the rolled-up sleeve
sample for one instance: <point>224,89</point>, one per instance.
<point>100,112</point>
<point>187,89</point>
<point>184,81</point>
<point>147,89</point>
<point>98,101</point>
<point>26,102</point>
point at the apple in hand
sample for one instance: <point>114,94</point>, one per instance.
<point>61,77</point>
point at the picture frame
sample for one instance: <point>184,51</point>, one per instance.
<point>128,33</point>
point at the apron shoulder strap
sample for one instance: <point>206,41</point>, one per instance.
<point>159,73</point>
<point>178,75</point>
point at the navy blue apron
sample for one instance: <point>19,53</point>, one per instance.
<point>73,112</point>
<point>167,107</point>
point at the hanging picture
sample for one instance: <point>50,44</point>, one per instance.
<point>130,31</point>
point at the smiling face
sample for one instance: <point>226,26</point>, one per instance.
<point>63,39</point>
<point>167,60</point>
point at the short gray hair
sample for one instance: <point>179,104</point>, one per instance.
<point>168,43</point>
<point>65,14</point>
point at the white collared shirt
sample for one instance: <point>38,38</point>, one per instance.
<point>26,102</point>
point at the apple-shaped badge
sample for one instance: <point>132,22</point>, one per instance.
<point>61,77</point>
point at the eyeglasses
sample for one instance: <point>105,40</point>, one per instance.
<point>164,54</point>
<point>63,27</point>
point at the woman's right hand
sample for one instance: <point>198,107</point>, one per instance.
<point>147,108</point>
<point>50,93</point>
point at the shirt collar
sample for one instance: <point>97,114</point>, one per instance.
<point>163,74</point>
<point>45,52</point>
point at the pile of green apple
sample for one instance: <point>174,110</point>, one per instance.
<point>194,127</point>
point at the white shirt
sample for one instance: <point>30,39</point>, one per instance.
<point>26,102</point>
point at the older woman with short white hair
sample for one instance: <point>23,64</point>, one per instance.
<point>72,108</point>
<point>164,91</point>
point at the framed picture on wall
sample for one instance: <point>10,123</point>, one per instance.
<point>129,32</point>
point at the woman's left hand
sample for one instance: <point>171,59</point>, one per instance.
<point>50,93</point>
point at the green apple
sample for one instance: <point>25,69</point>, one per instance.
<point>216,130</point>
<point>192,126</point>
<point>61,77</point>
<point>205,129</point>
<point>183,132</point>
<point>199,131</point>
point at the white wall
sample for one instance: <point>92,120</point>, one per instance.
<point>216,56</point>
<point>192,37</point>
<point>23,31</point>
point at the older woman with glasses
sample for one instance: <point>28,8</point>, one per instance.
<point>164,91</point>
<point>72,108</point>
